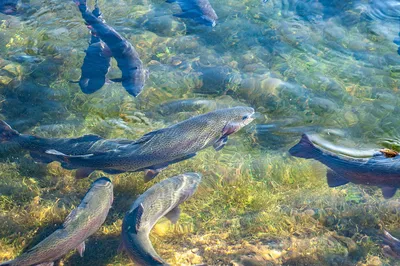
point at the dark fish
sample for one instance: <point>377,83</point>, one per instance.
<point>96,63</point>
<point>162,199</point>
<point>134,74</point>
<point>391,245</point>
<point>199,10</point>
<point>382,169</point>
<point>81,223</point>
<point>151,153</point>
<point>8,7</point>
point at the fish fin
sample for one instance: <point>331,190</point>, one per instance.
<point>150,174</point>
<point>219,144</point>
<point>173,215</point>
<point>38,157</point>
<point>335,180</point>
<point>71,216</point>
<point>117,80</point>
<point>57,153</point>
<point>148,136</point>
<point>187,15</point>
<point>46,264</point>
<point>388,192</point>
<point>112,171</point>
<point>83,172</point>
<point>389,153</point>
<point>81,248</point>
<point>6,132</point>
<point>134,219</point>
<point>152,171</point>
<point>304,149</point>
<point>121,247</point>
<point>230,128</point>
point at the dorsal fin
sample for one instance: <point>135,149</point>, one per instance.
<point>71,216</point>
<point>148,136</point>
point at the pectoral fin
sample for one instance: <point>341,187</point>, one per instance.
<point>81,249</point>
<point>388,192</point>
<point>219,144</point>
<point>173,215</point>
<point>154,170</point>
<point>83,173</point>
<point>150,174</point>
<point>335,180</point>
<point>230,128</point>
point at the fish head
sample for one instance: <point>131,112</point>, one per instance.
<point>190,183</point>
<point>236,118</point>
<point>134,85</point>
<point>91,85</point>
<point>104,187</point>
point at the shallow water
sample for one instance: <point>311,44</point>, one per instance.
<point>324,67</point>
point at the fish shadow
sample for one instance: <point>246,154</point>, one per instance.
<point>99,251</point>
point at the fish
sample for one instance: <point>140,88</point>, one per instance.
<point>161,200</point>
<point>96,63</point>
<point>381,169</point>
<point>200,11</point>
<point>391,245</point>
<point>134,74</point>
<point>151,153</point>
<point>80,224</point>
<point>8,7</point>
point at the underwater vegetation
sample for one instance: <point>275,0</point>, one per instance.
<point>327,67</point>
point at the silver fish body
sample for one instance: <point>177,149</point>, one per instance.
<point>151,153</point>
<point>81,223</point>
<point>162,199</point>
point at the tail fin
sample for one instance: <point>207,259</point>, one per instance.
<point>6,132</point>
<point>304,149</point>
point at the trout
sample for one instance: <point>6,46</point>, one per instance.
<point>81,223</point>
<point>162,199</point>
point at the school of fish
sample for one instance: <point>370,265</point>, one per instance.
<point>158,149</point>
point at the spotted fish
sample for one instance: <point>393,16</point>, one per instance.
<point>81,223</point>
<point>162,199</point>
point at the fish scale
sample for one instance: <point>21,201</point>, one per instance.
<point>148,208</point>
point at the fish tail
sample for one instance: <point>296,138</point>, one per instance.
<point>304,149</point>
<point>7,133</point>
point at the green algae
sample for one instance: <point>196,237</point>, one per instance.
<point>255,206</point>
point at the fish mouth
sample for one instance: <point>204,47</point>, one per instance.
<point>102,182</point>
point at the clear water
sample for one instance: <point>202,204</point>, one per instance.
<point>329,67</point>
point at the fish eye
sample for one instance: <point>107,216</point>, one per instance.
<point>245,117</point>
